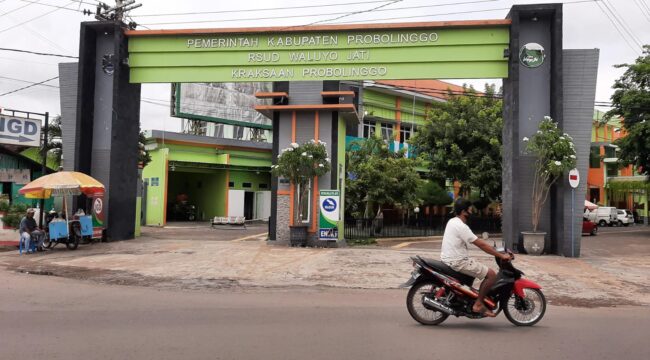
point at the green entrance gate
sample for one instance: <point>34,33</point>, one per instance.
<point>463,49</point>
<point>308,66</point>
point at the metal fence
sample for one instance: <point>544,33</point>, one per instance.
<point>431,226</point>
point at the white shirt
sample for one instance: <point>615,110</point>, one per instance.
<point>455,241</point>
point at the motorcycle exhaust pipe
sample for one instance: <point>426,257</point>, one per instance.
<point>438,306</point>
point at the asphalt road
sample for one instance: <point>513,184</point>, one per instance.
<point>44,317</point>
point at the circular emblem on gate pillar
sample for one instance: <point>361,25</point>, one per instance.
<point>532,55</point>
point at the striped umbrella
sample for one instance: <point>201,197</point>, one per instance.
<point>62,183</point>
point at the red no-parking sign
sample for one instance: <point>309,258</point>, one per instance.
<point>574,178</point>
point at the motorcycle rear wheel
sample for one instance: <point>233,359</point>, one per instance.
<point>526,311</point>
<point>416,308</point>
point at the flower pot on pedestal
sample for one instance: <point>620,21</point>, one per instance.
<point>298,235</point>
<point>534,242</point>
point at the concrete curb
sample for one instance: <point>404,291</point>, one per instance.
<point>421,239</point>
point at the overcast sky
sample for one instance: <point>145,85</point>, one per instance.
<point>55,30</point>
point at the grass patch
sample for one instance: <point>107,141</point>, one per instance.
<point>361,242</point>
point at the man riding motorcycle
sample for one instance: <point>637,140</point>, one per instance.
<point>455,254</point>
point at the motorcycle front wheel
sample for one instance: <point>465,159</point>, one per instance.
<point>526,311</point>
<point>415,304</point>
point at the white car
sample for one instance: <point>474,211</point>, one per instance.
<point>624,217</point>
<point>603,216</point>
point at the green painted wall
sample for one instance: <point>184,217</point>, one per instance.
<point>430,53</point>
<point>210,155</point>
<point>156,169</point>
<point>240,177</point>
<point>384,106</point>
<point>205,190</point>
<point>210,198</point>
<point>138,216</point>
<point>409,115</point>
<point>379,104</point>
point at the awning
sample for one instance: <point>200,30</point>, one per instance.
<point>591,206</point>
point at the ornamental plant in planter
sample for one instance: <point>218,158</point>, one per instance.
<point>555,154</point>
<point>300,164</point>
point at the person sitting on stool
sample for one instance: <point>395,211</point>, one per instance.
<point>29,232</point>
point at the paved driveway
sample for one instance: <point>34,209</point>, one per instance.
<point>606,275</point>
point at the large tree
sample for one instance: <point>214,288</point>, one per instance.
<point>461,141</point>
<point>631,101</point>
<point>378,177</point>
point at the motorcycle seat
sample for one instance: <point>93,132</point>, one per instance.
<point>445,269</point>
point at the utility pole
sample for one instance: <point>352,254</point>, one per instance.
<point>44,167</point>
<point>115,13</point>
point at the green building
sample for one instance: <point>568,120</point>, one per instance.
<point>12,166</point>
<point>218,176</point>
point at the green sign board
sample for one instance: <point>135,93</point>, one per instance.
<point>330,205</point>
<point>424,53</point>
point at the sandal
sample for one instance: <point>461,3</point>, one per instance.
<point>485,311</point>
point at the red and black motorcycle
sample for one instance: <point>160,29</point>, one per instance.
<point>438,291</point>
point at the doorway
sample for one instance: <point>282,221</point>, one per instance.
<point>249,204</point>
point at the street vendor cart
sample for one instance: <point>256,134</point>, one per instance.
<point>63,230</point>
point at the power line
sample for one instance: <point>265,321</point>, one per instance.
<point>451,13</point>
<point>29,28</point>
<point>18,8</point>
<point>265,9</point>
<point>37,2</point>
<point>32,19</point>
<point>346,13</point>
<point>644,11</point>
<point>26,81</point>
<point>621,22</point>
<point>28,61</point>
<point>39,53</point>
<point>28,86</point>
<point>376,8</point>
<point>616,27</point>
<point>422,16</point>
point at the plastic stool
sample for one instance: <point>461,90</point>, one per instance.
<point>32,245</point>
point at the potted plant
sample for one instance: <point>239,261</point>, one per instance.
<point>300,164</point>
<point>4,207</point>
<point>555,154</point>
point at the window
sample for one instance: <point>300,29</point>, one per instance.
<point>405,133</point>
<point>594,157</point>
<point>610,152</point>
<point>306,204</point>
<point>247,185</point>
<point>594,195</point>
<point>387,132</point>
<point>368,129</point>
<point>264,186</point>
<point>231,184</point>
<point>612,170</point>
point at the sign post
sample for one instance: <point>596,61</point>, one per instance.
<point>328,228</point>
<point>574,181</point>
<point>20,131</point>
<point>25,131</point>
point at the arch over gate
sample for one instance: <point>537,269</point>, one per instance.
<point>305,63</point>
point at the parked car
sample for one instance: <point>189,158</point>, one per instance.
<point>624,217</point>
<point>588,227</point>
<point>603,216</point>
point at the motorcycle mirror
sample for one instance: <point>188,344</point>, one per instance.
<point>485,235</point>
